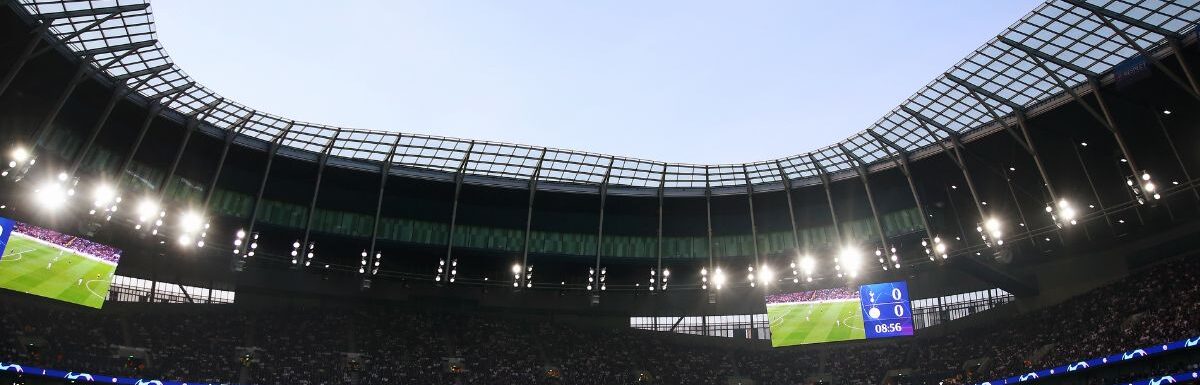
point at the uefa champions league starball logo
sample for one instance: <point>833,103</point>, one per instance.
<point>11,368</point>
<point>1133,354</point>
<point>79,376</point>
<point>1077,366</point>
<point>1163,380</point>
<point>873,312</point>
<point>151,382</point>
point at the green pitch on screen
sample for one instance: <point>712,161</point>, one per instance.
<point>815,322</point>
<point>36,268</point>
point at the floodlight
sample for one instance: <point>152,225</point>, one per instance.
<point>103,195</point>
<point>191,222</point>
<point>20,154</point>
<point>148,208</point>
<point>765,275</point>
<point>516,268</point>
<point>808,264</point>
<point>851,260</point>
<point>50,195</point>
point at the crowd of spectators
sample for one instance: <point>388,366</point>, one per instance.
<point>70,242</point>
<point>830,294</point>
<point>377,344</point>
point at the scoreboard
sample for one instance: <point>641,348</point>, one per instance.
<point>886,310</point>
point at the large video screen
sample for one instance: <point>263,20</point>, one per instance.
<point>879,310</point>
<point>50,264</point>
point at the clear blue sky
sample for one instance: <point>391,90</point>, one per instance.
<point>683,81</point>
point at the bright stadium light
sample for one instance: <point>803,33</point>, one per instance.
<point>991,231</point>
<point>50,195</point>
<point>719,278</point>
<point>103,195</point>
<point>191,221</point>
<point>516,268</point>
<point>148,209</point>
<point>765,275</point>
<point>704,278</point>
<point>1064,214</point>
<point>20,154</point>
<point>850,261</point>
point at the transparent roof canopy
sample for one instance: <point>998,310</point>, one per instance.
<point>1062,42</point>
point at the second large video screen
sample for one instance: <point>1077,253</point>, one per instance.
<point>840,314</point>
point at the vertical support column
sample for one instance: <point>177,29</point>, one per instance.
<point>787,191</point>
<point>27,53</point>
<point>825,183</point>
<point>753,224</point>
<point>230,135</point>
<point>1175,152</point>
<point>155,109</point>
<point>1017,204</point>
<point>533,180</point>
<point>600,226</point>
<point>384,170</point>
<point>458,182</point>
<point>901,160</point>
<point>862,175</point>
<point>312,204</point>
<point>708,217</point>
<point>192,124</point>
<point>662,185</point>
<point>1095,193</point>
<point>43,129</point>
<point>955,155</point>
<point>262,183</point>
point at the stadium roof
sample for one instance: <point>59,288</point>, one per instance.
<point>1062,42</point>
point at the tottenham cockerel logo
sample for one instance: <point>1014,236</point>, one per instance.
<point>11,367</point>
<point>79,376</point>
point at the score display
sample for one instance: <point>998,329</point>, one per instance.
<point>880,310</point>
<point>886,310</point>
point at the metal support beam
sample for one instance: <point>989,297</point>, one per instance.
<point>128,47</point>
<point>1175,152</point>
<point>312,204</point>
<point>787,191</point>
<point>955,155</point>
<point>825,182</point>
<point>1104,15</point>
<point>901,160</point>
<point>27,53</point>
<point>533,180</point>
<point>1112,124</point>
<point>80,75</point>
<point>80,32</point>
<point>753,223</point>
<point>192,124</point>
<point>459,175</point>
<point>600,226</point>
<point>267,175</point>
<point>119,93</point>
<point>230,134</point>
<point>866,181</point>
<point>1095,193</point>
<point>155,109</point>
<point>662,186</point>
<point>43,129</point>
<point>384,170</point>
<point>708,218</point>
<point>91,11</point>
<point>1025,139</point>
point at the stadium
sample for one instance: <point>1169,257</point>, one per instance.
<point>1028,216</point>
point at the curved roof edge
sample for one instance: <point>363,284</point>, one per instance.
<point>1061,43</point>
